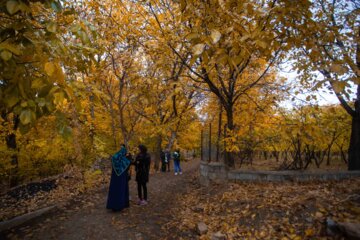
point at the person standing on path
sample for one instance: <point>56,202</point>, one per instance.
<point>142,166</point>
<point>176,156</point>
<point>118,196</point>
<point>167,160</point>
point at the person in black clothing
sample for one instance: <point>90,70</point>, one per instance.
<point>142,166</point>
<point>163,161</point>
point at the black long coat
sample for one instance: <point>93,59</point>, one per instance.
<point>142,166</point>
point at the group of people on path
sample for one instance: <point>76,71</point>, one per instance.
<point>118,196</point>
<point>165,157</point>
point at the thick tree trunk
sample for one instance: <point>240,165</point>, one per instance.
<point>229,156</point>
<point>354,147</point>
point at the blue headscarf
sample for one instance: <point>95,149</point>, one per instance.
<point>120,162</point>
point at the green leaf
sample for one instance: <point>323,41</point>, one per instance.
<point>12,6</point>
<point>6,55</point>
<point>25,116</point>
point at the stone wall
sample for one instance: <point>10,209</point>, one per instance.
<point>218,172</point>
<point>212,172</point>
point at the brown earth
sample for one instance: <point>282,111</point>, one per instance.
<point>247,210</point>
<point>87,218</point>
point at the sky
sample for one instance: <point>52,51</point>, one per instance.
<point>323,95</point>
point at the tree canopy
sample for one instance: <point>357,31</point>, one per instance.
<point>78,78</point>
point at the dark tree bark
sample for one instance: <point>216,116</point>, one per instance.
<point>229,156</point>
<point>157,152</point>
<point>12,145</point>
<point>354,147</point>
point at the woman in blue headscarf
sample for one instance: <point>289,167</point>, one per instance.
<point>118,197</point>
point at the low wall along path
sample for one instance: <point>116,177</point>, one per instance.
<point>218,172</point>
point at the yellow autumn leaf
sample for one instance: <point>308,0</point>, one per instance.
<point>12,6</point>
<point>49,68</point>
<point>15,49</point>
<point>261,44</point>
<point>6,55</point>
<point>215,35</point>
<point>309,232</point>
<point>25,117</point>
<point>338,68</point>
<point>51,27</point>
<point>198,49</point>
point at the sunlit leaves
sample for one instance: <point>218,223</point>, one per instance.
<point>7,45</point>
<point>26,116</point>
<point>198,49</point>
<point>12,6</point>
<point>49,68</point>
<point>215,36</point>
<point>51,27</point>
<point>5,55</point>
<point>326,45</point>
<point>37,52</point>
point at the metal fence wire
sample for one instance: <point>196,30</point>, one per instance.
<point>212,146</point>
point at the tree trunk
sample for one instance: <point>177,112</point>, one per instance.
<point>12,145</point>
<point>171,141</point>
<point>157,152</point>
<point>219,134</point>
<point>113,127</point>
<point>354,147</point>
<point>229,156</point>
<point>121,106</point>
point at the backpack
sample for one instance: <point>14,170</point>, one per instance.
<point>176,156</point>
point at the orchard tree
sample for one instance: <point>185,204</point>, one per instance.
<point>326,35</point>
<point>231,46</point>
<point>41,42</point>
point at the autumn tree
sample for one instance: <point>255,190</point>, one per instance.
<point>39,40</point>
<point>326,37</point>
<point>230,47</point>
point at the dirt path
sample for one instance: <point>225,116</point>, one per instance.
<point>87,218</point>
